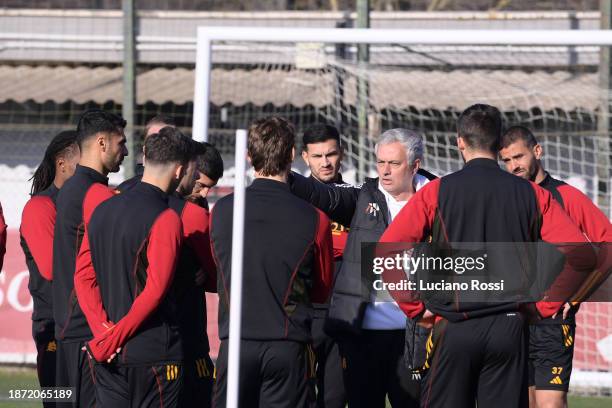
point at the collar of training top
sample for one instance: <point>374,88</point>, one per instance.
<point>148,188</point>
<point>264,183</point>
<point>93,174</point>
<point>547,179</point>
<point>482,162</point>
<point>338,179</point>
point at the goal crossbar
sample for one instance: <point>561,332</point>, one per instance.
<point>207,35</point>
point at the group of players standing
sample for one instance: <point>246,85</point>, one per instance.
<point>118,276</point>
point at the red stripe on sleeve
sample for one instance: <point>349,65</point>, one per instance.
<point>324,260</point>
<point>557,227</point>
<point>197,236</point>
<point>412,224</point>
<point>85,281</point>
<point>88,291</point>
<point>414,221</point>
<point>37,224</point>
<point>586,215</point>
<point>96,194</point>
<point>165,239</point>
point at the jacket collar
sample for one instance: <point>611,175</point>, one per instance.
<point>482,162</point>
<point>546,181</point>
<point>269,184</point>
<point>92,174</point>
<point>150,189</point>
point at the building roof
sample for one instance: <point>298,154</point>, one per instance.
<point>388,88</point>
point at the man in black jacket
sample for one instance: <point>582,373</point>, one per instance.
<point>288,266</point>
<point>323,155</point>
<point>127,284</point>
<point>551,341</point>
<point>102,145</point>
<point>372,333</point>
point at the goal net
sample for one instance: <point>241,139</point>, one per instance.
<point>407,80</point>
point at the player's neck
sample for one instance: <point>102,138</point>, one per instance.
<point>58,181</point>
<point>540,175</point>
<point>279,177</point>
<point>469,155</point>
<point>92,163</point>
<point>163,182</point>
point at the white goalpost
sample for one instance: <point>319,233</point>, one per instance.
<point>545,79</point>
<point>208,35</point>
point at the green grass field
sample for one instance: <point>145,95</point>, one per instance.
<point>25,378</point>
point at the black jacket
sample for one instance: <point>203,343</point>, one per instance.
<point>131,250</point>
<point>364,210</point>
<point>287,262</point>
<point>70,323</point>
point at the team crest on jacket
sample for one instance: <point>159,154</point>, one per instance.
<point>372,209</point>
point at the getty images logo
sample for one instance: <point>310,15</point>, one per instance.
<point>411,264</point>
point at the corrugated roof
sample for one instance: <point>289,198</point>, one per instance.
<point>400,89</point>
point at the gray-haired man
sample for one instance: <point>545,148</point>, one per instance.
<point>371,334</point>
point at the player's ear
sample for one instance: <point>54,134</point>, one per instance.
<point>179,172</point>
<point>60,163</point>
<point>102,140</point>
<point>538,151</point>
<point>460,143</point>
<point>417,166</point>
<point>305,156</point>
<point>292,154</point>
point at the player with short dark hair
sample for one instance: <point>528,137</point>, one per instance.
<point>102,144</point>
<point>323,155</point>
<point>322,152</point>
<point>477,350</point>
<point>209,169</point>
<point>551,341</point>
<point>195,273</point>
<point>125,271</point>
<point>37,224</point>
<point>284,273</point>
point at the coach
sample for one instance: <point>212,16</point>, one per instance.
<point>371,334</point>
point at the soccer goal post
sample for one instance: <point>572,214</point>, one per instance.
<point>547,80</point>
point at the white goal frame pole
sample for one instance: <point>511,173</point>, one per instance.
<point>235,317</point>
<point>207,35</point>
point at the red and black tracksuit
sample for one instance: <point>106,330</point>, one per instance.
<point>331,392</point>
<point>78,196</point>
<point>477,351</point>
<point>37,224</point>
<point>551,341</point>
<point>288,266</point>
<point>125,270</point>
<point>195,257</point>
